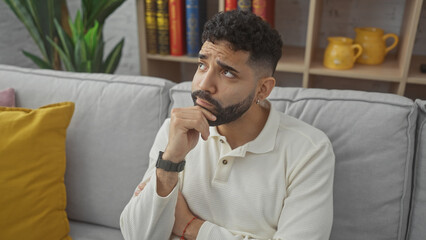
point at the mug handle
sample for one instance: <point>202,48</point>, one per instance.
<point>395,42</point>
<point>359,52</point>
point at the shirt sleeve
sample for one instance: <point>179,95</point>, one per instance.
<point>148,215</point>
<point>307,213</point>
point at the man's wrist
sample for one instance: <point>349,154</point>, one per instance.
<point>170,157</point>
<point>169,166</point>
<point>166,181</point>
<point>191,232</point>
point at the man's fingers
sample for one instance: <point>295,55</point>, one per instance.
<point>210,116</point>
<point>194,118</point>
<point>141,186</point>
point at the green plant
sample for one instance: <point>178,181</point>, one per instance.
<point>83,51</point>
<point>79,44</point>
<point>38,18</point>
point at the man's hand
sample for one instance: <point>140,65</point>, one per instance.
<point>186,125</point>
<point>141,186</point>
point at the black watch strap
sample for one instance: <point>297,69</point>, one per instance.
<point>169,166</point>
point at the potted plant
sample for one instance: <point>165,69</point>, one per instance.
<point>78,44</point>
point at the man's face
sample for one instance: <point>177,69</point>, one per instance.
<point>224,83</point>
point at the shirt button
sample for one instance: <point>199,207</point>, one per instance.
<point>225,162</point>
<point>221,141</point>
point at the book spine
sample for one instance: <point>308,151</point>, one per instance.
<point>265,10</point>
<point>244,5</point>
<point>177,24</point>
<point>151,26</point>
<point>163,27</point>
<point>195,18</point>
<point>270,12</point>
<point>230,5</point>
<point>259,8</point>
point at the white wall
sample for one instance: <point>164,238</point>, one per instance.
<point>122,23</point>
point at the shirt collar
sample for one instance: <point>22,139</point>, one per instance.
<point>265,141</point>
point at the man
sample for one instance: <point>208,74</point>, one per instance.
<point>251,172</point>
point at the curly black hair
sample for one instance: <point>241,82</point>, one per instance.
<point>248,32</point>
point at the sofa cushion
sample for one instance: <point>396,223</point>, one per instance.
<point>115,122</point>
<point>32,168</point>
<point>417,228</point>
<point>88,231</point>
<point>372,136</point>
<point>7,97</point>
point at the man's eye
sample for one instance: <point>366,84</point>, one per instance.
<point>228,74</point>
<point>201,66</point>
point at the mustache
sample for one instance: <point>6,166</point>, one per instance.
<point>206,96</point>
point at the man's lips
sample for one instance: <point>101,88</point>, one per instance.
<point>204,103</point>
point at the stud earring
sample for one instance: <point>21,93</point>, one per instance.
<point>257,101</point>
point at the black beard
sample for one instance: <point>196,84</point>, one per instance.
<point>223,115</point>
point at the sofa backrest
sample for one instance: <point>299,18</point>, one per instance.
<point>372,136</point>
<point>115,122</point>
<point>417,226</point>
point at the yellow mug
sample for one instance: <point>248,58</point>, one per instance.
<point>373,41</point>
<point>341,53</point>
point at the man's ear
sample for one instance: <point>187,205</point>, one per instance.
<point>264,87</point>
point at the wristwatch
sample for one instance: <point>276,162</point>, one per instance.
<point>169,166</point>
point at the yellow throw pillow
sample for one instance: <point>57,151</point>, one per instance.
<point>32,168</point>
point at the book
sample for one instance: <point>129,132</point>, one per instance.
<point>230,5</point>
<point>163,27</point>
<point>195,19</point>
<point>151,26</point>
<point>177,26</point>
<point>244,5</point>
<point>265,9</point>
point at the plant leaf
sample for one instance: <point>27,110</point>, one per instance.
<point>99,55</point>
<point>79,24</point>
<point>74,34</point>
<point>44,12</point>
<point>38,61</point>
<point>80,54</point>
<point>100,11</point>
<point>33,11</point>
<point>91,39</point>
<point>65,41</point>
<point>64,58</point>
<point>113,58</point>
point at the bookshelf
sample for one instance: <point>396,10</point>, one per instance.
<point>399,74</point>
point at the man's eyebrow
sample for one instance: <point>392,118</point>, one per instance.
<point>202,56</point>
<point>225,66</point>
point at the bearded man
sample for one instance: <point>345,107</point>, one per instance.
<point>231,166</point>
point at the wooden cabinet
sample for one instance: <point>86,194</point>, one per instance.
<point>302,62</point>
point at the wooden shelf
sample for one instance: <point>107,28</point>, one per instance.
<point>388,71</point>
<point>414,75</point>
<point>293,60</point>
<point>171,58</point>
<point>399,71</point>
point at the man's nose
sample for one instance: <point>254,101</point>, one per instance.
<point>208,82</point>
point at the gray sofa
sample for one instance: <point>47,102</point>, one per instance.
<point>379,141</point>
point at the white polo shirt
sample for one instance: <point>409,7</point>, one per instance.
<point>278,186</point>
